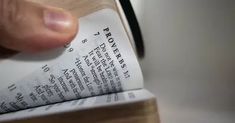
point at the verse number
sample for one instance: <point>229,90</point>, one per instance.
<point>12,87</point>
<point>70,49</point>
<point>96,34</point>
<point>67,46</point>
<point>45,68</point>
<point>84,41</point>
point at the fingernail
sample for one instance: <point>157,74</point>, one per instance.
<point>57,20</point>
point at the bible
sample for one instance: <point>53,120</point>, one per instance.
<point>95,78</point>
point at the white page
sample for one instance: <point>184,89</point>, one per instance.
<point>100,60</point>
<point>81,104</point>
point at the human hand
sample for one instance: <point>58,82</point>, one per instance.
<point>31,27</point>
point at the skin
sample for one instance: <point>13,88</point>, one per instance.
<point>31,27</point>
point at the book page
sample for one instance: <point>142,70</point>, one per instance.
<point>81,104</point>
<point>100,60</point>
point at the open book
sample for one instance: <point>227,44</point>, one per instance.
<point>98,69</point>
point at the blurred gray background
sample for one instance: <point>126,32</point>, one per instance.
<point>190,58</point>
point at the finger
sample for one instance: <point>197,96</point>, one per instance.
<point>31,27</point>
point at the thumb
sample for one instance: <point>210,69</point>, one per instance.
<point>31,27</point>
